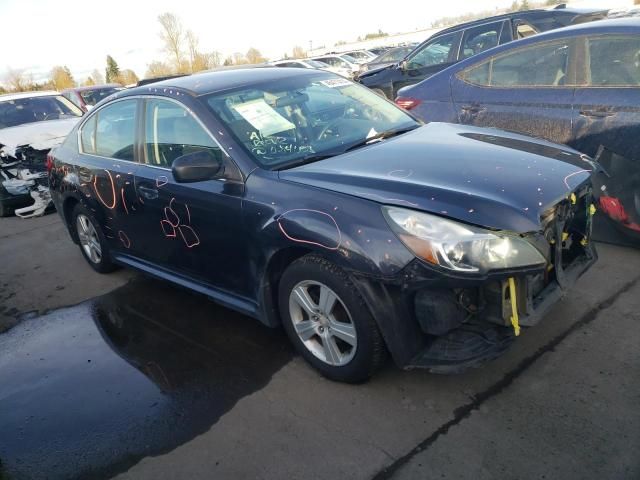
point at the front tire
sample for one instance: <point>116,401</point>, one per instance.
<point>328,322</point>
<point>93,244</point>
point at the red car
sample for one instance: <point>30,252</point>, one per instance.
<point>87,97</point>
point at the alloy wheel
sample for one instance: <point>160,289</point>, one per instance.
<point>88,237</point>
<point>323,323</point>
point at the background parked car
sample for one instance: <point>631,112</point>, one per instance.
<point>463,41</point>
<point>378,50</point>
<point>361,56</point>
<point>31,123</point>
<point>309,63</point>
<point>340,61</point>
<point>87,97</point>
<point>388,57</point>
<point>578,85</point>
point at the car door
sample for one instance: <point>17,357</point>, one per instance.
<point>607,125</point>
<point>108,167</point>
<point>431,57</point>
<point>191,229</point>
<point>528,90</point>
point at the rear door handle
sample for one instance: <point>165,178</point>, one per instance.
<point>84,174</point>
<point>597,113</point>
<point>148,192</point>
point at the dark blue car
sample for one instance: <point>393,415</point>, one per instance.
<point>302,199</point>
<point>578,85</point>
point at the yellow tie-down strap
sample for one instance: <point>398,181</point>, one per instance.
<point>514,306</point>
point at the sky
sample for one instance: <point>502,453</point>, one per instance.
<point>39,34</point>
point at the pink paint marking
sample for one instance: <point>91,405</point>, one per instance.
<point>571,175</point>
<point>187,231</point>
<point>113,191</point>
<point>309,242</point>
<point>124,239</point>
<point>124,203</point>
<point>166,225</point>
<point>168,210</point>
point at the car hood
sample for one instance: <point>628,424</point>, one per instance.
<point>377,69</point>
<point>39,135</point>
<point>481,176</point>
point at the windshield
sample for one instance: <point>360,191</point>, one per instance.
<point>91,97</point>
<point>349,58</point>
<point>305,117</point>
<point>316,64</point>
<point>36,109</point>
<point>359,55</point>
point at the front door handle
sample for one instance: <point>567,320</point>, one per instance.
<point>148,192</point>
<point>597,113</point>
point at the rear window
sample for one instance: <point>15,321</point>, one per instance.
<point>91,97</point>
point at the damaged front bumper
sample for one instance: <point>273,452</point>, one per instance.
<point>447,323</point>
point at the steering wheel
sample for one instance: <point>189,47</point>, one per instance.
<point>328,127</point>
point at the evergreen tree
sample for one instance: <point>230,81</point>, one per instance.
<point>112,72</point>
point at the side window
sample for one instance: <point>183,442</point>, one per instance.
<point>88,136</point>
<point>479,39</point>
<point>614,61</point>
<point>433,53</point>
<point>171,131</point>
<point>524,30</point>
<point>110,132</point>
<point>542,65</point>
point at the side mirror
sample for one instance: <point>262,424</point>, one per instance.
<point>198,166</point>
<point>403,65</point>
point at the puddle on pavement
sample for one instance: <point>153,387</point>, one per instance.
<point>88,390</point>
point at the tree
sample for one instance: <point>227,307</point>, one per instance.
<point>61,78</point>
<point>524,5</point>
<point>88,82</point>
<point>228,61</point>
<point>158,69</point>
<point>96,77</point>
<point>127,77</point>
<point>112,72</point>
<point>16,79</point>
<point>298,52</point>
<point>173,37</point>
<point>239,59</point>
<point>254,56</point>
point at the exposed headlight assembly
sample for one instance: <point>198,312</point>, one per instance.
<point>457,246</point>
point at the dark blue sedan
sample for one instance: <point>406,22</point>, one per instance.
<point>302,199</point>
<point>578,85</point>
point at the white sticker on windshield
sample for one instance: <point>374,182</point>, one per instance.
<point>336,82</point>
<point>263,117</point>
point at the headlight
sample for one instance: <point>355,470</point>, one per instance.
<point>457,246</point>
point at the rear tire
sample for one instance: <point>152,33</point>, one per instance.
<point>328,321</point>
<point>92,242</point>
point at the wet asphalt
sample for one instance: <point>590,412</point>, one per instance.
<point>89,390</point>
<point>121,375</point>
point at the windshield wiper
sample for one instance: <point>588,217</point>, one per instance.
<point>314,157</point>
<point>379,136</point>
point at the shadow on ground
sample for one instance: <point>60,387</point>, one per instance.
<point>89,390</point>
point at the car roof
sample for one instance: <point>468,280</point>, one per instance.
<point>20,95</point>
<point>216,81</point>
<point>629,25</point>
<point>523,14</point>
<point>616,25</point>
<point>92,87</point>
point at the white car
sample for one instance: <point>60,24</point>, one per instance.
<point>31,123</point>
<point>361,56</point>
<point>341,64</point>
<point>312,63</point>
